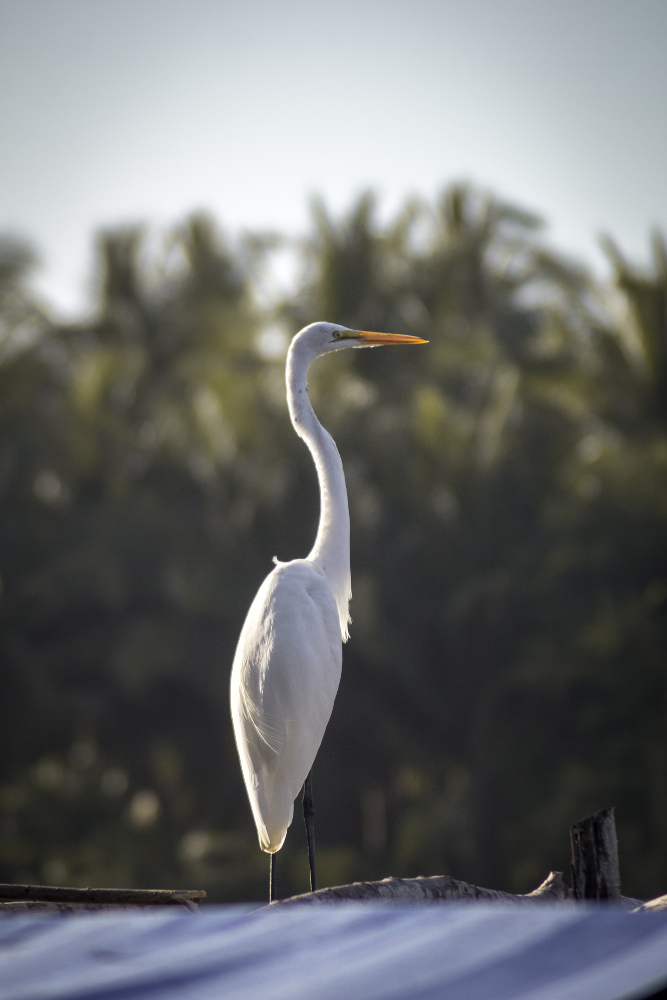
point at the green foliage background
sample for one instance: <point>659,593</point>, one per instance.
<point>508,493</point>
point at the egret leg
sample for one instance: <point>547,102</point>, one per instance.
<point>309,818</point>
<point>272,878</point>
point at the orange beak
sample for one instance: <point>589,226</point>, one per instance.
<point>375,339</point>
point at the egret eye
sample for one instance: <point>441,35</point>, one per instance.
<point>336,334</point>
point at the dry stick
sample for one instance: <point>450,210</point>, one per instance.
<point>652,906</point>
<point>437,887</point>
<point>444,889</point>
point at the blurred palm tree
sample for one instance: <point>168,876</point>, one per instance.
<point>506,668</point>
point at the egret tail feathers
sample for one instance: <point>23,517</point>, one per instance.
<point>273,813</point>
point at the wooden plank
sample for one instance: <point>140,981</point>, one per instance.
<point>109,897</point>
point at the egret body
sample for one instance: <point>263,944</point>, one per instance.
<point>288,660</point>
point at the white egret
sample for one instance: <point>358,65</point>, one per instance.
<point>288,659</point>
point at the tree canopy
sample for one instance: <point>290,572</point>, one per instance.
<point>506,671</point>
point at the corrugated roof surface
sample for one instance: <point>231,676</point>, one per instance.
<point>342,952</point>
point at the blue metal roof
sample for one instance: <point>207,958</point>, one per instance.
<point>355,951</point>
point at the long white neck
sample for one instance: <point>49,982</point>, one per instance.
<point>331,551</point>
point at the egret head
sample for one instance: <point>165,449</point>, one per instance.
<point>321,338</point>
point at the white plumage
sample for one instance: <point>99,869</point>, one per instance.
<point>288,660</point>
<point>286,675</point>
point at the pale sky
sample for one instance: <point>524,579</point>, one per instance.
<point>114,111</point>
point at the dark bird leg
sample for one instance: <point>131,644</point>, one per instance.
<point>272,878</point>
<point>309,817</point>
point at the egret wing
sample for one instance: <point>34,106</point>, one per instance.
<point>284,680</point>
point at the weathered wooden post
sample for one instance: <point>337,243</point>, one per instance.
<point>595,872</point>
